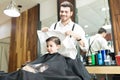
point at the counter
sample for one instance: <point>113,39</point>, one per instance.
<point>103,69</point>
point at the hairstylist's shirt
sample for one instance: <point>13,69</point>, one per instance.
<point>77,29</point>
<point>99,43</point>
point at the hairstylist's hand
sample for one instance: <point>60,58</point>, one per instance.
<point>72,34</point>
<point>76,36</point>
<point>69,33</point>
<point>44,29</point>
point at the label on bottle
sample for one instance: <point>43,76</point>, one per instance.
<point>100,61</point>
<point>89,60</point>
<point>93,58</point>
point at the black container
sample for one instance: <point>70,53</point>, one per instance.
<point>96,59</point>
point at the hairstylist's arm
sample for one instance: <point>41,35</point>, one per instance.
<point>80,39</point>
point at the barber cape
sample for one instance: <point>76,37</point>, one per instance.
<point>68,48</point>
<point>50,67</point>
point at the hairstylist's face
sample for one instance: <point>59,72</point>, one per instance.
<point>65,13</point>
<point>104,34</point>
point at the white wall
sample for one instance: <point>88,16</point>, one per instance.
<point>5,29</point>
<point>48,12</point>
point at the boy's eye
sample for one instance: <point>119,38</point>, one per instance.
<point>50,45</point>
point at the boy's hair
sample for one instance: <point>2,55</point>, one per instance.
<point>54,39</point>
<point>101,30</point>
<point>67,4</point>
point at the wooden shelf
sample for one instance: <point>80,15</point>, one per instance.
<point>103,69</point>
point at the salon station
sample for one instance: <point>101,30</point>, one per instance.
<point>19,42</point>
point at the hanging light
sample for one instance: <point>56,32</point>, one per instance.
<point>12,10</point>
<point>107,24</point>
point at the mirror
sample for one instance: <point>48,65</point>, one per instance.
<point>92,15</point>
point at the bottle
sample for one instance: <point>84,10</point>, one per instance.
<point>103,52</point>
<point>100,61</point>
<point>89,59</point>
<point>93,58</point>
<point>96,57</point>
<point>108,59</point>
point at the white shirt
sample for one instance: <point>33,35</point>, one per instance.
<point>77,29</point>
<point>98,43</point>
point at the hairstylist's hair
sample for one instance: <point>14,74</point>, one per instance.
<point>101,30</point>
<point>67,4</point>
<point>54,39</point>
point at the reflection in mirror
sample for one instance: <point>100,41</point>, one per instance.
<point>92,15</point>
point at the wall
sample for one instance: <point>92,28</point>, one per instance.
<point>5,29</point>
<point>5,33</point>
<point>48,12</point>
<point>23,44</point>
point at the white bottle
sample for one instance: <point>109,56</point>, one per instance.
<point>108,60</point>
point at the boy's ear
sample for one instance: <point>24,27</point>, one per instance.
<point>59,46</point>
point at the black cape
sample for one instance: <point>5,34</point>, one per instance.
<point>51,67</point>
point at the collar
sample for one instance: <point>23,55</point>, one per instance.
<point>69,23</point>
<point>98,35</point>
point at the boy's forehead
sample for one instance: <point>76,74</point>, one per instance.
<point>65,8</point>
<point>50,42</point>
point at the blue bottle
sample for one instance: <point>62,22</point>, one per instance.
<point>100,60</point>
<point>103,52</point>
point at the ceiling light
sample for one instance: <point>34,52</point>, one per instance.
<point>12,10</point>
<point>103,9</point>
<point>86,26</point>
<point>107,26</point>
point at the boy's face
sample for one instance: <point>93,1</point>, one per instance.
<point>65,13</point>
<point>52,47</point>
